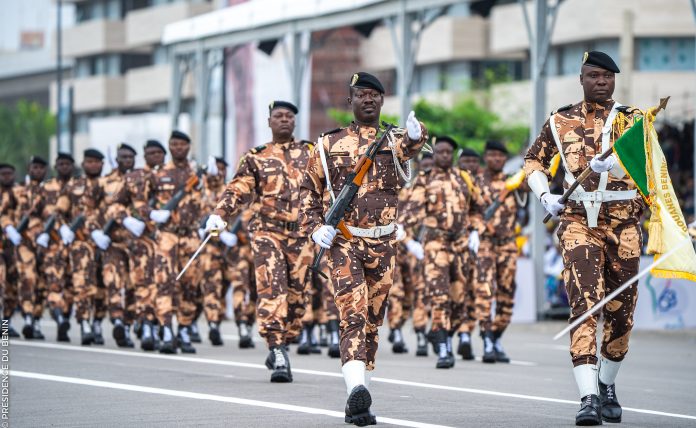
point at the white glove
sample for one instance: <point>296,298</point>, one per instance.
<point>605,165</point>
<point>101,239</point>
<point>415,248</point>
<point>134,226</point>
<point>474,241</point>
<point>201,233</point>
<point>324,236</point>
<point>215,223</point>
<point>212,166</point>
<point>551,203</point>
<point>43,240</point>
<point>228,238</point>
<point>413,127</point>
<point>67,235</point>
<point>160,216</point>
<point>13,235</point>
<point>400,232</point>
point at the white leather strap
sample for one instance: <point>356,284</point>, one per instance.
<point>604,196</point>
<point>325,166</point>
<point>373,232</point>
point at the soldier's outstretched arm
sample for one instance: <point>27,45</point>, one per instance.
<point>240,192</point>
<point>413,140</point>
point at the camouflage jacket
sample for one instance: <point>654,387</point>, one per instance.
<point>502,224</point>
<point>114,187</point>
<point>376,202</point>
<point>29,202</point>
<point>579,129</point>
<point>51,192</point>
<point>8,207</point>
<point>82,196</point>
<point>269,176</point>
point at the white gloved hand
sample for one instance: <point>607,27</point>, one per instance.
<point>101,239</point>
<point>228,238</point>
<point>400,232</point>
<point>212,166</point>
<point>134,226</point>
<point>13,235</point>
<point>67,235</point>
<point>324,236</point>
<point>415,248</point>
<point>552,203</point>
<point>605,165</point>
<point>43,239</point>
<point>215,223</point>
<point>474,241</point>
<point>160,216</point>
<point>201,233</point>
<point>413,127</point>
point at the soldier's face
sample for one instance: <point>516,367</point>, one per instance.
<point>469,163</point>
<point>125,159</point>
<point>92,166</point>
<point>597,84</point>
<point>222,169</point>
<point>442,153</point>
<point>366,104</point>
<point>64,167</point>
<point>154,157</point>
<point>37,171</point>
<point>179,148</point>
<point>282,122</point>
<point>495,160</point>
<point>427,164</point>
<point>7,177</point>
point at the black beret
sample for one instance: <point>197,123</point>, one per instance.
<point>496,145</point>
<point>94,154</point>
<point>7,166</point>
<point>366,80</point>
<point>180,136</point>
<point>282,104</point>
<point>600,60</point>
<point>221,160</point>
<point>156,144</point>
<point>38,159</point>
<point>67,156</point>
<point>426,155</point>
<point>446,139</point>
<point>468,153</point>
<point>124,146</point>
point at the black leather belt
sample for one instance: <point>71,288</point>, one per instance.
<point>290,226</point>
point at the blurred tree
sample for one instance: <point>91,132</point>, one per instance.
<point>25,130</point>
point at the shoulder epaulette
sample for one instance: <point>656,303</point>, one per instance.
<point>628,109</point>
<point>333,131</point>
<point>560,109</point>
<point>309,143</point>
<point>258,149</point>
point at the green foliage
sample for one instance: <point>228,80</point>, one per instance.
<point>344,117</point>
<point>25,130</point>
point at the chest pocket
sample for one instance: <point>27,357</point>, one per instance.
<point>273,180</point>
<point>575,156</point>
<point>340,165</point>
<point>384,171</point>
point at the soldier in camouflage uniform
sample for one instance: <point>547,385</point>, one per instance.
<point>54,263</point>
<point>361,269</point>
<point>600,239</point>
<point>440,202</point>
<point>8,268</point>
<point>270,175</point>
<point>29,203</point>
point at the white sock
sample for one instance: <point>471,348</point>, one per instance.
<point>586,379</point>
<point>608,370</point>
<point>353,374</point>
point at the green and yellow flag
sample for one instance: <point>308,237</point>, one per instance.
<point>640,155</point>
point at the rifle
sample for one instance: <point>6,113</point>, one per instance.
<point>23,224</point>
<point>76,227</point>
<point>109,227</point>
<point>49,227</point>
<point>354,180</point>
<point>190,184</point>
<point>511,184</point>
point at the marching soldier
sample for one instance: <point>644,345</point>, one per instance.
<point>270,175</point>
<point>469,161</point>
<point>600,238</point>
<point>362,268</point>
<point>8,267</point>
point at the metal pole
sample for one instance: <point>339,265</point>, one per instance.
<point>59,78</point>
<point>404,70</point>
<point>223,107</point>
<point>693,9</point>
<point>175,97</point>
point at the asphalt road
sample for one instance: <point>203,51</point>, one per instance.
<point>68,385</point>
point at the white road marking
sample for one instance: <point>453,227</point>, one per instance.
<point>209,397</point>
<point>329,374</point>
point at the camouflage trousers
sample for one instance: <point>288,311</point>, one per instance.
<point>463,293</point>
<point>172,253</point>
<point>55,269</point>
<point>495,281</point>
<point>401,293</point>
<point>9,279</point>
<point>282,283</point>
<point>121,291</point>
<point>28,269</point>
<point>362,272</point>
<point>329,311</point>
<point>89,296</point>
<point>142,277</point>
<point>596,262</point>
<point>443,282</point>
<point>212,262</point>
<point>239,274</point>
<point>421,302</point>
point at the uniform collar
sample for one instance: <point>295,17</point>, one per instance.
<point>285,143</point>
<point>363,130</point>
<point>605,105</point>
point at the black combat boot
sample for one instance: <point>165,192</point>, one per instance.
<point>590,411</point>
<point>184,340</point>
<point>358,407</point>
<point>147,338</point>
<point>63,325</point>
<point>28,329</point>
<point>36,326</point>
<point>313,343</point>
<point>323,336</point>
<point>245,340</point>
<point>398,344</point>
<point>334,340</point>
<point>138,329</point>
<point>86,335</point>
<point>195,333</point>
<point>611,409</point>
<point>128,342</point>
<point>167,346</point>
<point>421,344</point>
<point>500,355</point>
<point>464,348</point>
<point>443,358</point>
<point>279,362</point>
<point>97,332</point>
<point>488,347</point>
<point>305,345</point>
<point>119,332</point>
<point>10,330</point>
<point>214,334</point>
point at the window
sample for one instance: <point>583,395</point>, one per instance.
<point>665,54</point>
<point>427,78</point>
<point>458,76</point>
<point>159,55</point>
